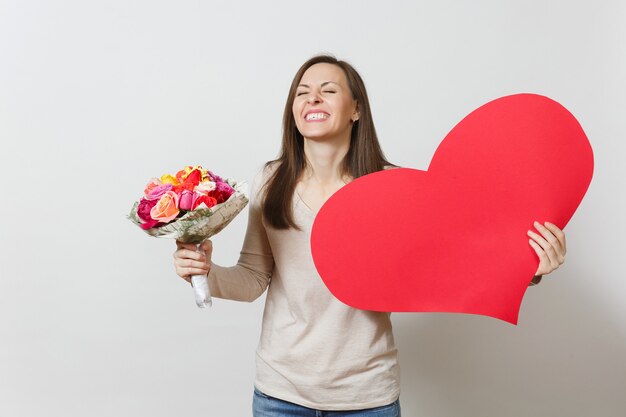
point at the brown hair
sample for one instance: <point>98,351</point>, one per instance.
<point>364,155</point>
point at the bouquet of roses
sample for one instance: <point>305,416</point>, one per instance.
<point>191,206</point>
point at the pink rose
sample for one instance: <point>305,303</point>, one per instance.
<point>157,192</point>
<point>215,177</point>
<point>154,182</point>
<point>187,200</point>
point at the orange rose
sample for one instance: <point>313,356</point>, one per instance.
<point>166,209</point>
<point>181,175</point>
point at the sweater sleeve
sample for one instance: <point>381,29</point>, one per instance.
<point>247,280</point>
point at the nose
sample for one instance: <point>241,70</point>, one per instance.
<point>313,98</point>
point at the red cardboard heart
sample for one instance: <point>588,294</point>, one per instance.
<point>453,238</point>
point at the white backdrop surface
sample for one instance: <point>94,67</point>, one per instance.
<point>96,97</point>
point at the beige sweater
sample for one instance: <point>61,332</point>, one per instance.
<point>314,350</point>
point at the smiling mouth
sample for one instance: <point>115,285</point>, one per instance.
<point>316,117</point>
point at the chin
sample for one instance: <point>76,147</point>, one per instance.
<point>315,135</point>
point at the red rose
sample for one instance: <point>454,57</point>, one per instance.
<point>150,224</point>
<point>222,192</point>
<point>208,200</point>
<point>143,210</point>
<point>194,177</point>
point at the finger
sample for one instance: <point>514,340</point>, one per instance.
<point>183,254</point>
<point>181,245</point>
<point>187,273</point>
<point>547,248</point>
<point>543,258</point>
<point>185,250</point>
<point>558,257</point>
<point>190,263</point>
<point>560,235</point>
<point>192,267</point>
<point>207,246</point>
<point>549,236</point>
<point>195,271</point>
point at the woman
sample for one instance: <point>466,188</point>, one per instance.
<point>315,353</point>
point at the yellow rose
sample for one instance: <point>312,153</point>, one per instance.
<point>169,179</point>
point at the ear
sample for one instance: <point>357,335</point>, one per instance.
<point>355,113</point>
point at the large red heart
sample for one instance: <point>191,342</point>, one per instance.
<point>453,238</point>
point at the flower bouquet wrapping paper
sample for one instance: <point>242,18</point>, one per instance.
<point>191,206</point>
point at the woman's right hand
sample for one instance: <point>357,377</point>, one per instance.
<point>189,262</point>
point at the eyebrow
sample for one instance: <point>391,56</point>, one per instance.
<point>323,84</point>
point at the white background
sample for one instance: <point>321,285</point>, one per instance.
<point>96,97</point>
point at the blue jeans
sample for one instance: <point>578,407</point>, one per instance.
<point>266,406</point>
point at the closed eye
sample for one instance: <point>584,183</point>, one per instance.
<point>326,91</point>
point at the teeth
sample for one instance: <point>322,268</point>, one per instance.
<point>316,116</point>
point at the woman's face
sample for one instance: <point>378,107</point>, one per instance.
<point>323,106</point>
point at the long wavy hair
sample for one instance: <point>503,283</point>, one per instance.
<point>364,155</point>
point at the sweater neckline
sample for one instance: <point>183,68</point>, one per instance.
<point>304,207</point>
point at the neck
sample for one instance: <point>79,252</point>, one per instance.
<point>324,159</point>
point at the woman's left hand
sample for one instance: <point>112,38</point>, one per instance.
<point>549,246</point>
